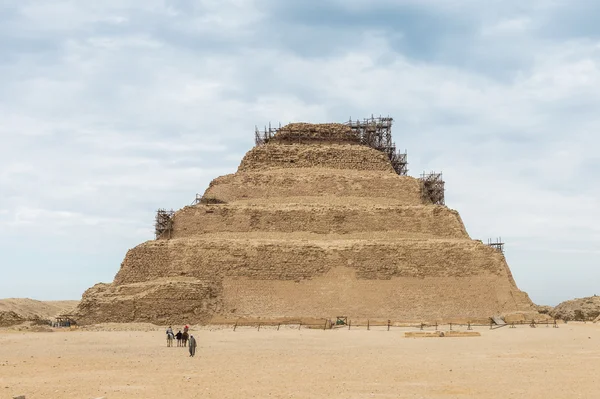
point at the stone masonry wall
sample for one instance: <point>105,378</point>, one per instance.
<point>404,280</point>
<point>306,132</point>
<point>339,292</point>
<point>335,156</point>
<point>204,258</point>
<point>426,221</point>
<point>281,186</point>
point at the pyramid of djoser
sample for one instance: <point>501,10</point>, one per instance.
<point>314,224</point>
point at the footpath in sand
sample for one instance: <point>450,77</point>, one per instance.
<point>291,363</point>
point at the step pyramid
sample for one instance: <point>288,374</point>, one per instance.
<point>314,224</point>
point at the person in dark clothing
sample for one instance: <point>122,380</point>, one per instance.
<point>192,346</point>
<point>178,336</point>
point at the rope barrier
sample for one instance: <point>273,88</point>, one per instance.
<point>387,325</point>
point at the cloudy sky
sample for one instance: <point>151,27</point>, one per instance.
<point>111,109</point>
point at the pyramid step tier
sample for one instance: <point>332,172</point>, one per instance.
<point>337,292</point>
<point>423,221</point>
<point>285,259</point>
<point>270,279</point>
<point>317,185</point>
<point>336,156</point>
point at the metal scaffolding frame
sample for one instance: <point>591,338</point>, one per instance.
<point>262,137</point>
<point>197,200</point>
<point>164,223</point>
<point>497,244</point>
<point>375,132</point>
<point>432,188</point>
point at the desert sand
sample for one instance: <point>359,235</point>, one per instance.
<point>543,362</point>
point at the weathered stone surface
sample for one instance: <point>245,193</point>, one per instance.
<point>544,309</point>
<point>409,221</point>
<point>321,132</point>
<point>316,186</point>
<point>335,156</point>
<point>583,309</point>
<point>10,318</point>
<point>310,230</point>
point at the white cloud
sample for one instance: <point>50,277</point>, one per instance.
<point>111,43</point>
<point>508,27</point>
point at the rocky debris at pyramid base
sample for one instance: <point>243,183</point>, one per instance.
<point>544,309</point>
<point>10,318</point>
<point>581,309</point>
<point>315,223</point>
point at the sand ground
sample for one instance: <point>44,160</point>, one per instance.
<point>291,363</point>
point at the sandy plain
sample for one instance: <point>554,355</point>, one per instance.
<point>543,362</point>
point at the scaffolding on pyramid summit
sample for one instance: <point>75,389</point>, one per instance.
<point>262,137</point>
<point>375,132</point>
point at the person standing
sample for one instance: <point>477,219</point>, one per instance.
<point>179,336</point>
<point>192,346</point>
